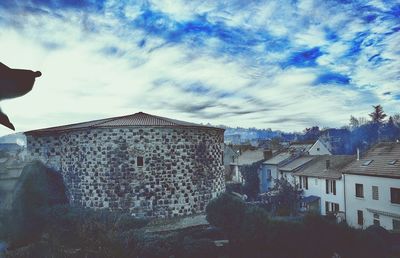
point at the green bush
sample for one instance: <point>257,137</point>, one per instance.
<point>227,212</point>
<point>38,189</point>
<point>254,234</point>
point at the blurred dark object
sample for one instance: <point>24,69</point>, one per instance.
<point>14,83</point>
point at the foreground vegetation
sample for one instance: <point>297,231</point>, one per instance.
<point>41,224</point>
<point>252,233</point>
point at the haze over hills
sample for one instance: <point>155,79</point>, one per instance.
<point>18,138</point>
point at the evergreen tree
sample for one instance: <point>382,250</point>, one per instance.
<point>377,115</point>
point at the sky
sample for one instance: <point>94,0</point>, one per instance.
<point>284,65</point>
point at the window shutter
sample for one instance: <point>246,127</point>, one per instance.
<point>301,182</point>
<point>306,182</point>
<point>326,207</point>
<point>327,186</point>
<point>334,187</point>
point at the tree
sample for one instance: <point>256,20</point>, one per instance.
<point>396,119</point>
<point>252,182</point>
<point>354,123</point>
<point>227,212</point>
<point>377,115</point>
<point>287,198</point>
<point>390,131</point>
<point>311,134</point>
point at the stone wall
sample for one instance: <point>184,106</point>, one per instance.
<point>182,167</point>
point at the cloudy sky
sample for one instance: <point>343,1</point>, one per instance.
<point>268,64</point>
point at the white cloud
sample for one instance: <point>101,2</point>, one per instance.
<point>93,66</point>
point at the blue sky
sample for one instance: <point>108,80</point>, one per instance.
<point>268,64</point>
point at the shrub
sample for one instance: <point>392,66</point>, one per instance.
<point>37,190</point>
<point>227,212</point>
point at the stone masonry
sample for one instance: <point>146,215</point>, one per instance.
<point>102,165</point>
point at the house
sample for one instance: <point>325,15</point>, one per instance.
<point>143,164</point>
<point>231,164</point>
<point>249,157</point>
<point>322,183</point>
<point>269,171</point>
<point>10,170</point>
<point>233,139</point>
<point>300,147</point>
<point>372,188</point>
<point>288,171</point>
<point>319,148</point>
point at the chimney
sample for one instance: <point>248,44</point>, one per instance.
<point>358,154</point>
<point>267,154</point>
<point>328,164</point>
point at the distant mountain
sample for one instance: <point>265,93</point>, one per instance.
<point>242,135</point>
<point>18,138</point>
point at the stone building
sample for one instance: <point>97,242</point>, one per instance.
<point>148,165</point>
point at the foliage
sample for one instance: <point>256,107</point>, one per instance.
<point>252,181</point>
<point>226,211</point>
<point>257,235</point>
<point>287,198</point>
<point>311,134</point>
<point>37,190</point>
<point>354,122</point>
<point>377,115</point>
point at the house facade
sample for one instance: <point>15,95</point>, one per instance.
<point>323,185</point>
<point>269,170</point>
<point>289,171</point>
<point>251,156</point>
<point>231,164</point>
<point>373,200</point>
<point>372,188</point>
<point>319,148</point>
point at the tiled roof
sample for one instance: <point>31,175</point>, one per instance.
<point>250,156</point>
<point>278,158</point>
<point>317,167</point>
<point>385,161</point>
<point>137,119</point>
<point>295,164</point>
<point>302,147</point>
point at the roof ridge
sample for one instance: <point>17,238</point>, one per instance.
<point>161,118</point>
<point>106,120</point>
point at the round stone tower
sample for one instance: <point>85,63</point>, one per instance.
<point>148,165</point>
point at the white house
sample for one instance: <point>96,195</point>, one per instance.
<point>372,188</point>
<point>322,184</point>
<point>231,164</point>
<point>289,170</point>
<point>319,148</point>
<point>269,171</point>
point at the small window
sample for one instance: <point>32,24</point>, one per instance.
<point>360,218</point>
<point>367,162</point>
<point>269,174</point>
<point>317,149</point>
<point>376,220</point>
<point>375,193</point>
<point>331,207</point>
<point>330,186</point>
<point>359,191</point>
<point>396,225</point>
<point>304,182</point>
<point>139,161</point>
<point>392,162</point>
<point>395,195</point>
